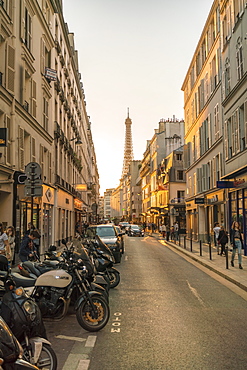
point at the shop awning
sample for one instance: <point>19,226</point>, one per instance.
<point>236,173</point>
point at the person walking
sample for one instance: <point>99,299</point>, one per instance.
<point>176,230</point>
<point>167,232</point>
<point>11,239</point>
<point>4,244</point>
<point>216,230</point>
<point>236,242</point>
<point>223,239</point>
<point>163,230</point>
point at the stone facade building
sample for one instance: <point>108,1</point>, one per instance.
<point>43,109</point>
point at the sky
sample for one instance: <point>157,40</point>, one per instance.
<point>132,54</point>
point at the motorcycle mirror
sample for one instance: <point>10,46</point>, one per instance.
<point>64,241</point>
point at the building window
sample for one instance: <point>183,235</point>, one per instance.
<point>180,175</point>
<point>240,65</point>
<point>28,30</point>
<point>216,122</point>
<point>179,157</point>
<point>45,114</point>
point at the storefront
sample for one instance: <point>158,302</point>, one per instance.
<point>65,222</point>
<point>215,211</point>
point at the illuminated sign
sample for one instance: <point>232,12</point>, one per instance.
<point>81,187</point>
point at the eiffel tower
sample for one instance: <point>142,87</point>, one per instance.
<point>128,148</point>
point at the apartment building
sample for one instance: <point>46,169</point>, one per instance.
<point>43,111</point>
<point>168,137</point>
<point>233,15</point>
<point>205,203</point>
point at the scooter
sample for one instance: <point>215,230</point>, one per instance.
<point>23,316</point>
<point>103,260</point>
<point>11,351</point>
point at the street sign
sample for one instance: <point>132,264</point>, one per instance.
<point>199,201</point>
<point>33,170</point>
<point>36,182</point>
<point>33,191</point>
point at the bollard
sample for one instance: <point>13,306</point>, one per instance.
<point>184,242</point>
<point>200,248</point>
<point>191,244</point>
<point>179,241</point>
<point>226,253</point>
<point>210,251</point>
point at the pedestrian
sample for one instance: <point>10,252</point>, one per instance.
<point>167,232</point>
<point>4,244</point>
<point>30,227</point>
<point>216,230</point>
<point>11,239</point>
<point>176,230</point>
<point>172,233</point>
<point>163,230</point>
<point>28,249</point>
<point>223,239</point>
<point>236,242</point>
<point>144,225</point>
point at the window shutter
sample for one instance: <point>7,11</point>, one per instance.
<point>198,180</point>
<point>237,137</point>
<point>21,148</point>
<point>204,177</point>
<point>10,82</point>
<point>50,168</point>
<point>8,149</point>
<point>245,121</point>
<point>41,159</point>
<point>226,140</point>
<point>42,56</point>
<point>33,150</point>
<point>34,98</point>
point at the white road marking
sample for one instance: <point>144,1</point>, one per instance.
<point>77,339</point>
<point>126,258</point>
<point>91,339</point>
<point>196,294</point>
<point>83,365</point>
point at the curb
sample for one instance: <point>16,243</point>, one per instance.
<point>196,259</point>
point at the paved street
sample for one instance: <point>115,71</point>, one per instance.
<point>166,314</point>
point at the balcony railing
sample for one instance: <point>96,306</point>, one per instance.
<point>177,200</point>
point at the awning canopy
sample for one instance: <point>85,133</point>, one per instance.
<point>236,173</point>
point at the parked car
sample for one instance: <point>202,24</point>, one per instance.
<point>120,233</point>
<point>135,230</point>
<point>124,226</point>
<point>108,234</point>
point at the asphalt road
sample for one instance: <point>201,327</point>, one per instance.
<point>165,314</point>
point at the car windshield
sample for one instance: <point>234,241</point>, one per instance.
<point>105,231</point>
<point>135,227</point>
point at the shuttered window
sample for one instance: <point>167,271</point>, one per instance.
<point>34,99</point>
<point>21,148</point>
<point>33,150</point>
<point>10,82</point>
<point>8,149</point>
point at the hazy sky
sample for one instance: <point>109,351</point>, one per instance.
<point>132,53</point>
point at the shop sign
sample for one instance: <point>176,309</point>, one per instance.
<point>50,74</point>
<point>239,183</point>
<point>225,184</point>
<point>199,201</point>
<point>213,200</point>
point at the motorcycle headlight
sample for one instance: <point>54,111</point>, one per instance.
<point>30,308</point>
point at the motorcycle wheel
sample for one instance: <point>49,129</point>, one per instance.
<point>47,359</point>
<point>85,316</point>
<point>114,278</point>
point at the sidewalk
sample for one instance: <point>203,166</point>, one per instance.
<point>217,263</point>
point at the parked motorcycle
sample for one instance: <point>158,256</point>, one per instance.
<point>92,281</point>
<point>103,260</point>
<point>54,290</point>
<point>23,316</point>
<point>11,351</point>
